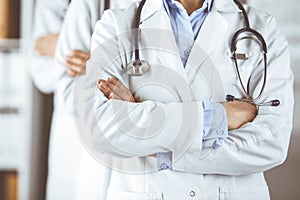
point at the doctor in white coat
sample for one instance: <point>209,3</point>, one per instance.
<point>48,20</point>
<point>62,171</point>
<point>72,51</point>
<point>169,117</point>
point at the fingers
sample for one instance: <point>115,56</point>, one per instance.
<point>38,45</point>
<point>74,70</point>
<point>82,54</point>
<point>46,45</point>
<point>103,85</point>
<point>76,66</point>
<point>76,63</point>
<point>114,89</point>
<point>75,60</point>
<point>121,89</point>
<point>239,113</point>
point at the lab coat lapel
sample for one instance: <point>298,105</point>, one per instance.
<point>161,50</point>
<point>210,35</point>
<point>225,6</point>
<point>200,68</point>
<point>156,33</point>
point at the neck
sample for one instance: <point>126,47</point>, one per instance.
<point>191,5</point>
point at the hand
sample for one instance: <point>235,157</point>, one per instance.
<point>76,63</point>
<point>46,45</point>
<point>114,89</point>
<point>239,113</point>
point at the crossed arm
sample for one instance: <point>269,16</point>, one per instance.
<point>238,113</point>
<point>240,116</point>
<point>75,62</point>
<point>255,144</point>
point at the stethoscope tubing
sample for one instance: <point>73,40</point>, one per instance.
<point>263,44</point>
<point>139,67</point>
<point>137,30</point>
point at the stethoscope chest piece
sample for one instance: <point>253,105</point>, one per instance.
<point>137,68</point>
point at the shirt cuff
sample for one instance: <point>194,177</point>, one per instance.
<point>215,129</point>
<point>164,161</point>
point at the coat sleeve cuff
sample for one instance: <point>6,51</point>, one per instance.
<point>215,129</point>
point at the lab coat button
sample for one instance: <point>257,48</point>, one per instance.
<point>164,166</point>
<point>192,194</point>
<point>187,52</point>
<point>220,132</point>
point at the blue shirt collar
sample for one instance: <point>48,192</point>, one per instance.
<point>174,4</point>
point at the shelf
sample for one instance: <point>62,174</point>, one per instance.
<point>7,45</point>
<point>8,110</point>
<point>8,185</point>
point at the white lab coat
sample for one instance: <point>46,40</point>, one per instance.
<point>62,169</point>
<point>90,178</point>
<point>48,19</point>
<point>170,116</point>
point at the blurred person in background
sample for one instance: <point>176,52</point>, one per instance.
<point>73,173</point>
<point>62,167</point>
<point>64,149</point>
<point>72,51</point>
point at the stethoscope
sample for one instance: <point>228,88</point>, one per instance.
<point>139,67</point>
<point>260,38</point>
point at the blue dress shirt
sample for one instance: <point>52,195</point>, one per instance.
<point>186,28</point>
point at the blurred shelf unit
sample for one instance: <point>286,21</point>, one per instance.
<point>8,185</point>
<point>15,99</point>
<point>13,102</point>
<point>8,45</point>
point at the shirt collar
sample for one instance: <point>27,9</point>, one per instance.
<point>174,4</point>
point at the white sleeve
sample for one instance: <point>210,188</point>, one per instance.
<point>48,20</point>
<point>127,130</point>
<point>76,34</point>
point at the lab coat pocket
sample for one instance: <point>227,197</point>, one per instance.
<point>113,194</point>
<point>245,193</point>
<point>251,67</point>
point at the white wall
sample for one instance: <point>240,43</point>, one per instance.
<point>288,16</point>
